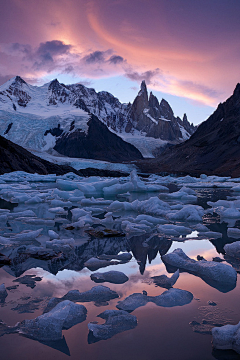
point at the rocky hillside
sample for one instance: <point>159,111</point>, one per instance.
<point>214,149</point>
<point>97,143</point>
<point>15,158</point>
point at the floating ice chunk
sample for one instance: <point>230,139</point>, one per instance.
<point>61,194</point>
<point>60,203</point>
<point>118,189</point>
<point>49,326</point>
<point>86,220</point>
<point>121,257</point>
<point>233,250</point>
<point>218,275</point>
<point>149,219</point>
<point>98,294</point>
<point>3,218</point>
<point>34,200</point>
<point>130,227</point>
<point>114,277</point>
<point>100,185</point>
<point>236,188</point>
<point>200,228</point>
<point>4,211</point>
<point>93,201</point>
<point>134,185</point>
<point>94,264</point>
<point>20,198</point>
<point>173,297</point>
<point>52,234</point>
<point>116,321</point>
<point>36,221</point>
<point>152,206</point>
<point>231,213</point>
<point>211,234</point>
<point>227,337</point>
<point>3,292</point>
<point>66,185</point>
<point>77,213</point>
<point>174,230</point>
<point>108,219</point>
<point>184,194</point>
<point>165,281</point>
<point>169,298</point>
<point>120,206</point>
<point>58,211</point>
<point>187,213</point>
<point>25,213</point>
<point>61,244</point>
<point>87,189</point>
<point>26,235</point>
<point>4,241</point>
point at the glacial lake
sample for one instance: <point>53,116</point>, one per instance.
<point>176,332</point>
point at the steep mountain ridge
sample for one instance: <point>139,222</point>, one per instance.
<point>34,117</point>
<point>214,149</point>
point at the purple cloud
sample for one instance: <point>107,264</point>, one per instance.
<point>148,76</point>
<point>116,59</point>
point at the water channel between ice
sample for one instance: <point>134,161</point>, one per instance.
<point>151,218</point>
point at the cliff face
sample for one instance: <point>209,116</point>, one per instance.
<point>15,158</point>
<point>213,149</point>
<point>156,119</point>
<point>98,143</point>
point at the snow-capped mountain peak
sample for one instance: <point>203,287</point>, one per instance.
<point>28,112</point>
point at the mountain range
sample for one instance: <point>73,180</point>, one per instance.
<point>214,149</point>
<point>79,122</point>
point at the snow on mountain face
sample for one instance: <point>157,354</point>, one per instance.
<point>34,116</point>
<point>29,114</point>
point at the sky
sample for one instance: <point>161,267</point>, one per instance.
<point>187,51</point>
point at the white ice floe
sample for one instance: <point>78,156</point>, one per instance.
<point>26,235</point>
<point>52,234</point>
<point>49,326</point>
<point>227,337</point>
<point>61,244</point>
<point>187,213</point>
<point>114,277</point>
<point>58,210</point>
<point>221,276</point>
<point>134,185</point>
<point>233,250</point>
<point>173,230</point>
<point>166,282</point>
<point>116,321</point>
<point>170,298</point>
<point>94,264</point>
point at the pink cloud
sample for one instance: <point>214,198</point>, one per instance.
<point>195,44</point>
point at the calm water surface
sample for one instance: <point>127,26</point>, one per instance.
<point>161,333</point>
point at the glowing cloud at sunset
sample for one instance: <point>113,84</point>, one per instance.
<point>186,48</point>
